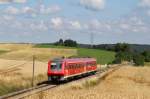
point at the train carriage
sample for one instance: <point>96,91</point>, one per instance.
<point>62,69</point>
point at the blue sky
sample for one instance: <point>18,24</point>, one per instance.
<point>110,21</point>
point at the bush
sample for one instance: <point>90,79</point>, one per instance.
<point>91,82</point>
<point>146,55</point>
<point>123,56</point>
<point>138,60</point>
<point>117,61</point>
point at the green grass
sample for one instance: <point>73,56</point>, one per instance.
<point>102,56</point>
<point>51,46</point>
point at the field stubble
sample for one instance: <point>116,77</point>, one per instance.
<point>126,83</point>
<point>16,65</point>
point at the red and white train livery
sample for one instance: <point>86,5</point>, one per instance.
<point>62,69</point>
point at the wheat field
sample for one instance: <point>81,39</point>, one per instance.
<point>26,51</point>
<point>126,83</point>
<point>16,65</point>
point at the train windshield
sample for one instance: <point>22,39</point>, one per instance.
<point>56,66</point>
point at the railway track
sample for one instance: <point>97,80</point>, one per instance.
<point>27,92</point>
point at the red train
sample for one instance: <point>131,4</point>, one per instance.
<point>63,69</point>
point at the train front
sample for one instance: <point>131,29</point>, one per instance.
<point>55,70</point>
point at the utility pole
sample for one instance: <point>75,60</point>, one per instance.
<point>33,71</point>
<point>92,39</point>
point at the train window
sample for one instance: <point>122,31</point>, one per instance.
<point>56,66</point>
<point>78,65</point>
<point>67,67</point>
<point>70,66</point>
<point>90,64</point>
<point>75,66</point>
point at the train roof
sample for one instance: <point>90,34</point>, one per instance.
<point>75,59</point>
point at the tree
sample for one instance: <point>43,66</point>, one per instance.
<point>61,42</point>
<point>138,60</point>
<point>70,43</point>
<point>122,47</point>
<point>146,55</point>
<point>123,56</point>
<point>123,53</point>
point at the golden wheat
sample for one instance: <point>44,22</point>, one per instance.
<point>125,83</point>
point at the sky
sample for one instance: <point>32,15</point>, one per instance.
<point>46,21</point>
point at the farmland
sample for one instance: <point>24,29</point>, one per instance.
<point>16,62</point>
<point>23,51</point>
<point>14,54</point>
<point>16,65</point>
<point>126,83</point>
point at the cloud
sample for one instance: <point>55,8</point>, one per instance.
<point>12,1</point>
<point>43,10</point>
<point>95,24</point>
<point>11,10</point>
<point>145,3</point>
<point>27,9</point>
<point>8,17</point>
<point>57,22</point>
<point>65,24</point>
<point>124,26</point>
<point>50,9</point>
<point>40,27</point>
<point>31,11</point>
<point>75,24</point>
<point>4,1</point>
<point>19,1</point>
<point>93,4</point>
<point>148,13</point>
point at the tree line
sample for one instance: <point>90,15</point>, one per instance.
<point>68,43</point>
<point>125,53</point>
